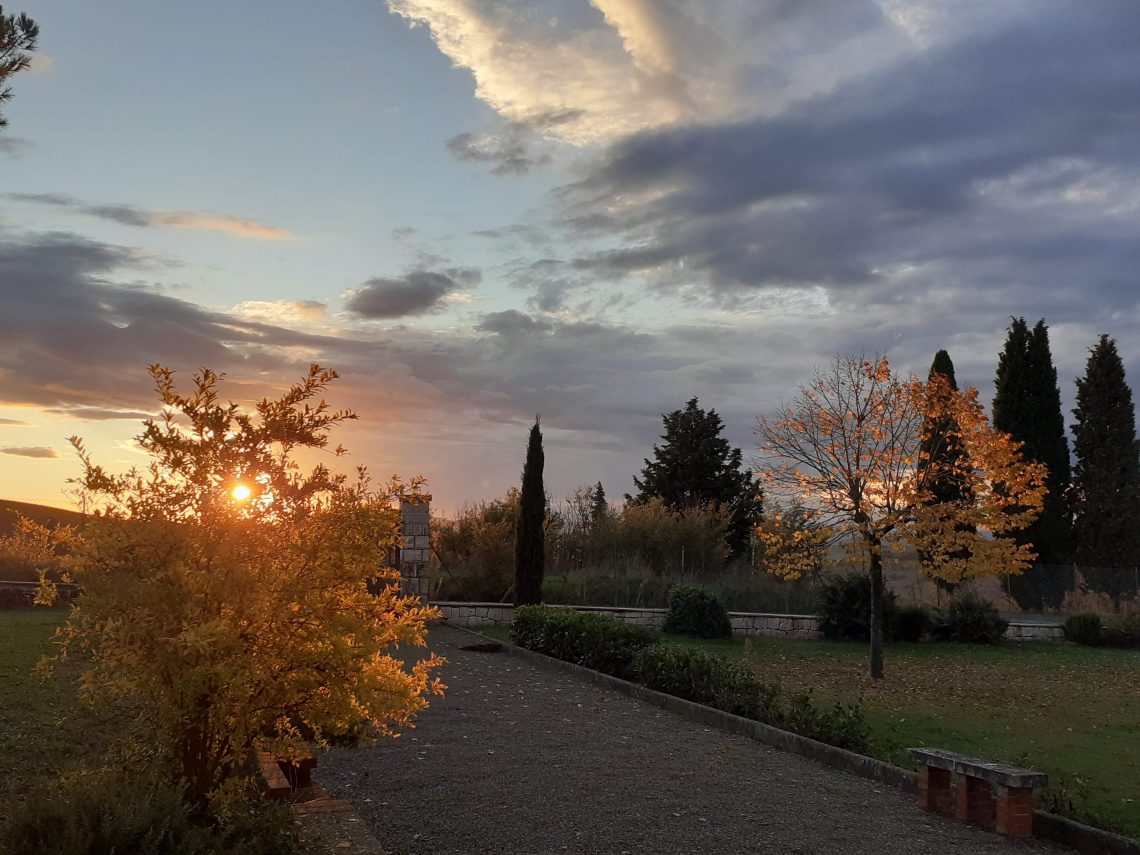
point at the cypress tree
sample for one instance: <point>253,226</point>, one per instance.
<point>599,508</point>
<point>530,540</point>
<point>696,467</point>
<point>1027,405</point>
<point>943,454</point>
<point>1106,480</point>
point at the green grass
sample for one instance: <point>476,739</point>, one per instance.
<point>1071,711</point>
<point>44,729</point>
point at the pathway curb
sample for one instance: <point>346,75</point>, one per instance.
<point>1083,838</point>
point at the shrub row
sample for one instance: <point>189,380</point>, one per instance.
<point>695,612</point>
<point>604,644</point>
<point>845,615</point>
<point>593,641</point>
<point>1089,628</point>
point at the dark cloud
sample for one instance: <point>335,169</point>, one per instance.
<point>100,414</point>
<point>72,338</point>
<point>1002,161</point>
<point>511,323</point>
<point>14,146</point>
<point>515,147</point>
<point>416,293</point>
<point>38,451</point>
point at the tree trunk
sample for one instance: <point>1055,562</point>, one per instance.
<point>876,609</point>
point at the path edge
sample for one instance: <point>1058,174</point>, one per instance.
<point>1083,838</point>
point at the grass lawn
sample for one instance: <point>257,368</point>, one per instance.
<point>1071,711</point>
<point>43,728</point>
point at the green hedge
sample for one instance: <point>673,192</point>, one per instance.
<point>603,644</point>
<point>969,619</point>
<point>591,640</point>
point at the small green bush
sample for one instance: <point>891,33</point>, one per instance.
<point>591,640</point>
<point>697,613</point>
<point>1085,628</point>
<point>1123,631</point>
<point>94,812</point>
<point>969,619</point>
<point>845,608</point>
<point>842,725</point>
<point>910,623</point>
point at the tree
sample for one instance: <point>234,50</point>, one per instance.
<point>696,467</point>
<point>225,593</point>
<point>19,35</point>
<point>1107,477</point>
<point>849,448</point>
<point>943,455</point>
<point>530,542</point>
<point>1027,406</point>
<point>599,508</point>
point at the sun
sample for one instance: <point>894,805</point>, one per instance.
<point>241,492</point>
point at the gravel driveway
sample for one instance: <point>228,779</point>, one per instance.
<point>522,759</point>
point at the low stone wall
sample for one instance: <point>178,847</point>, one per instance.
<point>475,615</point>
<point>743,623</point>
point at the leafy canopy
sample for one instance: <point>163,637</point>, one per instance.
<point>215,621</point>
<point>19,35</point>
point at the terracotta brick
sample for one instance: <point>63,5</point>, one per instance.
<point>934,789</point>
<point>975,802</point>
<point>1014,812</point>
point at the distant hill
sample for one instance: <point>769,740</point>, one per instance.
<point>43,514</point>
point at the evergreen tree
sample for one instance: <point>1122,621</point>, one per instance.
<point>530,541</point>
<point>599,508</point>
<point>1027,405</point>
<point>942,452</point>
<point>695,466</point>
<point>1107,477</point>
<point>18,37</point>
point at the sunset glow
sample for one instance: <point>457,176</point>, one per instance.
<point>241,493</point>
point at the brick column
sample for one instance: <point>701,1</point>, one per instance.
<point>415,548</point>
<point>975,801</point>
<point>1014,812</point>
<point>934,789</point>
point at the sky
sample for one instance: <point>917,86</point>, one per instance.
<point>477,211</point>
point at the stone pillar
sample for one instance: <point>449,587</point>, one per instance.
<point>415,548</point>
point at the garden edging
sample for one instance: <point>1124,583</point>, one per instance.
<point>1083,838</point>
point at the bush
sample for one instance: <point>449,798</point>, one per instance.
<point>910,623</point>
<point>1123,631</point>
<point>845,608</point>
<point>591,640</point>
<point>1085,628</point>
<point>695,612</point>
<point>705,678</point>
<point>96,812</point>
<point>969,619</point>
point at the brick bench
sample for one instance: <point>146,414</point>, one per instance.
<point>284,777</point>
<point>1010,813</point>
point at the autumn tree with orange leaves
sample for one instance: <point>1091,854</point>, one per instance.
<point>847,452</point>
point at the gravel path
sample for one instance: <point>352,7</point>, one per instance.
<point>522,759</point>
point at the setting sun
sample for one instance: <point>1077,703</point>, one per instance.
<point>241,492</point>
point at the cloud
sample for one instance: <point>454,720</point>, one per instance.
<point>130,215</point>
<point>287,313</point>
<point>14,146</point>
<point>13,423</point>
<point>990,170</point>
<point>100,414</point>
<point>38,451</point>
<point>511,323</point>
<point>416,293</point>
<point>516,147</point>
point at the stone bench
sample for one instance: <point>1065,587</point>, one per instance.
<point>284,777</point>
<point>1010,813</point>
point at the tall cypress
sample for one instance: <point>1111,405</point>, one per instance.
<point>1027,405</point>
<point>944,456</point>
<point>1106,480</point>
<point>599,507</point>
<point>530,539</point>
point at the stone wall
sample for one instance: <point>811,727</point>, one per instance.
<point>743,623</point>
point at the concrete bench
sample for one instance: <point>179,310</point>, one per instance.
<point>1010,813</point>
